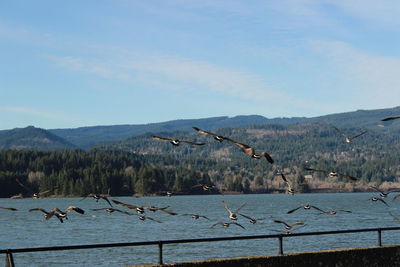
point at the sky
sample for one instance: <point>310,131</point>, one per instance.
<point>68,64</point>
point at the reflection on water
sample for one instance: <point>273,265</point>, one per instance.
<point>29,229</point>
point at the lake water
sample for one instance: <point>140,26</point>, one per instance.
<point>21,229</point>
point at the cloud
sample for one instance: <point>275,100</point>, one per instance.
<point>373,79</point>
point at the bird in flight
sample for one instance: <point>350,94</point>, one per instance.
<point>232,215</point>
<point>111,210</point>
<point>287,225</point>
<point>204,186</point>
<point>141,209</point>
<point>346,138</point>
<point>59,213</point>
<point>391,118</point>
<point>383,194</point>
<point>196,216</point>
<point>251,152</point>
<point>334,174</point>
<point>176,142</point>
<point>290,189</point>
<point>289,231</point>
<point>252,220</point>
<point>227,224</point>
<point>98,197</point>
<point>378,199</point>
<point>306,207</point>
<point>216,137</point>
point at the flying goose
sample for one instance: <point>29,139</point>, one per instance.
<point>334,174</point>
<point>396,218</point>
<point>176,142</point>
<point>216,137</point>
<point>196,216</point>
<point>204,186</point>
<point>383,194</point>
<point>8,208</point>
<point>251,152</point>
<point>98,197</point>
<point>111,210</point>
<point>33,194</point>
<point>141,209</point>
<point>227,224</point>
<point>143,218</point>
<point>287,225</point>
<point>346,138</point>
<point>290,190</point>
<point>232,215</point>
<point>289,231</point>
<point>391,118</point>
<point>306,207</point>
<point>378,199</point>
<point>334,212</point>
<point>48,214</point>
<point>252,220</point>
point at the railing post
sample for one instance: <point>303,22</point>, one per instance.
<point>160,256</point>
<point>9,260</point>
<point>380,238</point>
<point>280,245</point>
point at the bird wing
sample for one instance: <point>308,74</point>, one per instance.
<point>167,211</point>
<point>161,138</point>
<point>247,217</point>
<point>153,219</point>
<point>129,206</point>
<point>73,208</point>
<point>238,224</point>
<point>391,118</point>
<point>226,207</point>
<point>339,131</point>
<point>348,211</point>
<point>396,196</point>
<point>268,157</point>
<point>242,146</point>
<point>106,199</point>
<point>192,143</point>
<point>40,209</point>
<point>212,226</point>
<point>318,209</point>
<point>358,135</point>
<point>240,207</point>
<point>293,210</point>
<point>7,208</point>
<point>204,132</point>
<point>380,199</point>
<point>205,217</point>
<point>376,189</point>
<point>279,221</point>
<point>348,176</point>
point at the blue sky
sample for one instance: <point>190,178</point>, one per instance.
<point>67,64</point>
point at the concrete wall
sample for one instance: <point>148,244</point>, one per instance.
<point>358,257</point>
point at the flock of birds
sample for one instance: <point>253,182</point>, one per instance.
<point>232,214</point>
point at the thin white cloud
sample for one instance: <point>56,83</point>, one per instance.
<point>373,79</point>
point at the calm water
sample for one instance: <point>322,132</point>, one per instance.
<point>21,228</point>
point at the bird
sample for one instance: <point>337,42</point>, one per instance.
<point>111,210</point>
<point>306,207</point>
<point>196,216</point>
<point>290,190</point>
<point>378,199</point>
<point>143,218</point>
<point>346,138</point>
<point>391,118</point>
<point>232,215</point>
<point>169,194</point>
<point>98,197</point>
<point>216,137</point>
<point>204,186</point>
<point>252,220</point>
<point>141,209</point>
<point>251,152</point>
<point>383,194</point>
<point>58,213</point>
<point>334,174</point>
<point>176,142</point>
<point>227,224</point>
<point>287,225</point>
<point>289,231</point>
<point>33,194</point>
<point>8,208</point>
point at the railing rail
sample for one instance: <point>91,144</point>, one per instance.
<point>160,243</point>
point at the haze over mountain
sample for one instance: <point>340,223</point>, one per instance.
<point>85,137</point>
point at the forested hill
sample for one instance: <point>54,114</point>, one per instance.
<point>31,138</point>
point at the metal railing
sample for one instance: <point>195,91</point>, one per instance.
<point>10,258</point>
